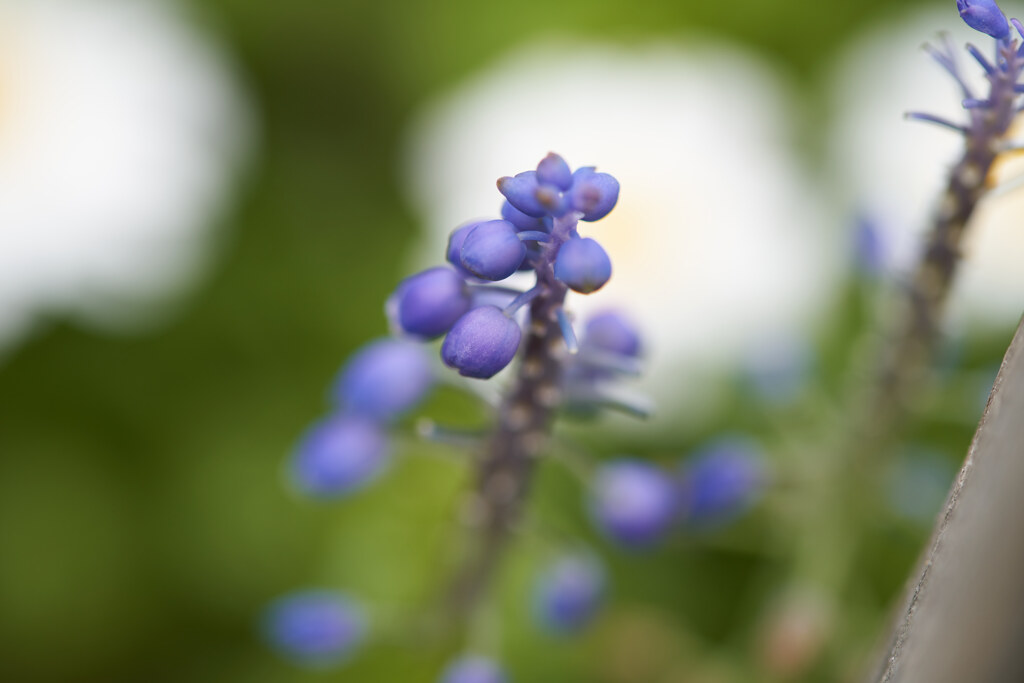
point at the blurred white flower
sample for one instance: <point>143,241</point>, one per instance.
<point>120,129</point>
<point>893,170</point>
<point>717,241</point>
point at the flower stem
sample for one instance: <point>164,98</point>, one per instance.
<point>521,433</point>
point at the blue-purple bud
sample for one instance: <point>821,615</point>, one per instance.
<point>583,265</point>
<point>315,628</point>
<point>984,16</point>
<point>521,192</point>
<point>384,379</point>
<point>473,669</point>
<point>428,304</point>
<point>721,480</point>
<point>553,201</point>
<point>455,242</point>
<point>569,592</point>
<point>481,343</point>
<point>339,455</point>
<point>612,332</point>
<point>552,170</point>
<point>634,502</point>
<point>523,221</point>
<point>492,250</point>
<point>594,194</point>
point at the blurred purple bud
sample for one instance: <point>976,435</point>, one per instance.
<point>315,628</point>
<point>722,480</point>
<point>339,455</point>
<point>569,592</point>
<point>634,502</point>
<point>384,379</point>
<point>612,332</point>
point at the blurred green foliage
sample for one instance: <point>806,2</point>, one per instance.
<point>143,524</point>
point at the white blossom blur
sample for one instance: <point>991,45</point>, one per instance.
<point>121,129</point>
<point>718,241</point>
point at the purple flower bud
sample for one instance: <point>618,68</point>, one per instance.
<point>492,250</point>
<point>455,242</point>
<point>552,170</point>
<point>521,192</point>
<point>428,304</point>
<point>721,480</point>
<point>339,455</point>
<point>634,502</point>
<point>553,201</point>
<point>595,194</point>
<point>523,221</point>
<point>481,343</point>
<point>473,669</point>
<point>984,16</point>
<point>384,379</point>
<point>583,265</point>
<point>612,332</point>
<point>569,592</point>
<point>315,628</point>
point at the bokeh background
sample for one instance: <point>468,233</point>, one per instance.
<point>143,519</point>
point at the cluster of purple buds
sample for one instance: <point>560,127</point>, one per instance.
<point>350,448</point>
<point>636,503</point>
<point>537,232</point>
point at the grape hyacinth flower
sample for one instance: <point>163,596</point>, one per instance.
<point>473,669</point>
<point>384,380</point>
<point>896,171</point>
<point>757,254</point>
<point>990,116</point>
<point>569,592</point>
<point>316,628</point>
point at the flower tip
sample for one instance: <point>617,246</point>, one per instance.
<point>984,16</point>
